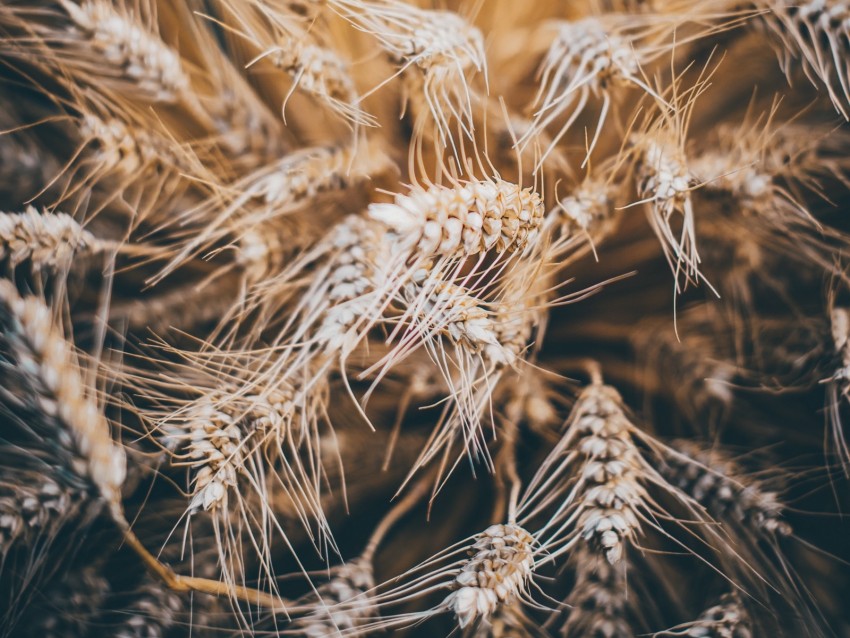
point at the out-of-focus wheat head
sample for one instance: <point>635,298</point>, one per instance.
<point>473,317</point>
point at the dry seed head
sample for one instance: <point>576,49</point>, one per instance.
<point>497,573</point>
<point>463,220</point>
<point>599,599</point>
<point>46,362</point>
<point>727,619</point>
<point>716,483</point>
<point>219,451</point>
<point>748,182</point>
<point>453,310</point>
<point>443,39</point>
<point>247,130</point>
<point>607,498</point>
<point>583,50</point>
<point>428,39</point>
<point>664,177</point>
<point>320,72</point>
<point>586,57</point>
<point>443,47</point>
<point>357,247</point>
<point>818,34</point>
<point>303,176</point>
<point>587,207</point>
<point>219,438</point>
<point>122,149</point>
<point>513,325</point>
<point>665,183</point>
<point>262,253</point>
<point>142,61</point>
<point>50,241</point>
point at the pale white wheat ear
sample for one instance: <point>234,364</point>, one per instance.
<point>49,241</point>
<point>118,160</point>
<point>467,219</point>
<point>816,36</point>
<point>437,53</point>
<point>763,169</point>
<point>665,181</point>
<point>587,214</point>
<point>588,58</point>
<point>282,41</point>
<point>496,572</point>
<point>115,47</point>
<point>599,486</point>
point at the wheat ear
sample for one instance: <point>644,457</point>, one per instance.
<point>52,384</point>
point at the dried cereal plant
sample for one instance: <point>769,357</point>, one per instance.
<point>355,317</point>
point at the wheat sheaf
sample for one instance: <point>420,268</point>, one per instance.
<point>477,318</point>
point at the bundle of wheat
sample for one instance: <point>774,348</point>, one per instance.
<point>478,318</point>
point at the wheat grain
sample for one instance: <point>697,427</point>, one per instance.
<point>49,241</point>
<point>321,73</point>
<point>468,219</point>
<point>444,49</point>
<point>585,58</point>
<point>497,573</point>
<point>599,599</point>
<point>101,43</point>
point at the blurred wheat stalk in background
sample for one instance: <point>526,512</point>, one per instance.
<point>340,317</point>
